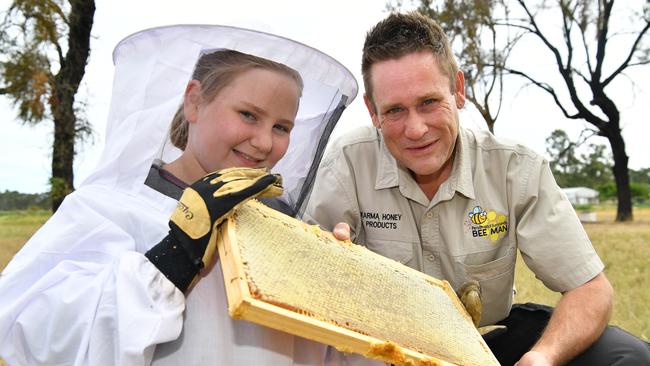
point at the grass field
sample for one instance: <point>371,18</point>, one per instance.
<point>624,247</point>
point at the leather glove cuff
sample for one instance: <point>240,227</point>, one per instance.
<point>173,261</point>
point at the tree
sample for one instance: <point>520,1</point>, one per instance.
<point>585,72</point>
<point>480,50</point>
<point>641,175</point>
<point>45,47</point>
<point>12,200</point>
<point>586,29</point>
<point>588,169</point>
<point>564,163</point>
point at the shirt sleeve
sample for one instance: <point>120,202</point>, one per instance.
<point>333,198</point>
<point>551,238</point>
<point>79,293</point>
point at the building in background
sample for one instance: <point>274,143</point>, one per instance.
<point>582,198</point>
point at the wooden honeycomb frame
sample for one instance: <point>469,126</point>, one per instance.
<point>245,302</point>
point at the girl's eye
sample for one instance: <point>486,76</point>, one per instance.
<point>282,128</point>
<point>247,115</point>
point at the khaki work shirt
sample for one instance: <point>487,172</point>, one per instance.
<point>499,197</point>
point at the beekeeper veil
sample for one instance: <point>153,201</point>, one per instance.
<point>152,68</point>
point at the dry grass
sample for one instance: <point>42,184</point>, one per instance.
<point>624,247</point>
<point>15,229</point>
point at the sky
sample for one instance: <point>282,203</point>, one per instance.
<point>336,27</point>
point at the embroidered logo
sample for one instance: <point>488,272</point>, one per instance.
<point>487,223</point>
<point>384,220</point>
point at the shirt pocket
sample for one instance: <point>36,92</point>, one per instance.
<point>497,280</point>
<point>399,251</point>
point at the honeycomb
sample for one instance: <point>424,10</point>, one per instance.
<point>298,267</point>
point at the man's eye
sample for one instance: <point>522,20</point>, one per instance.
<point>395,110</point>
<point>428,105</point>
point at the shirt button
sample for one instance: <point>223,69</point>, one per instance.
<point>431,257</point>
<point>429,215</point>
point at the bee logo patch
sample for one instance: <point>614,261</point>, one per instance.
<point>487,223</point>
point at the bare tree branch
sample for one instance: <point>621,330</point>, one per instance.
<point>536,31</point>
<point>626,63</point>
<point>546,87</point>
<point>585,46</point>
<point>566,31</point>
<point>582,76</point>
<point>645,62</point>
<point>603,28</point>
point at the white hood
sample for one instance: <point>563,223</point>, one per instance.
<point>152,68</point>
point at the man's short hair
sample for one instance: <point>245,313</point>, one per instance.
<point>404,33</point>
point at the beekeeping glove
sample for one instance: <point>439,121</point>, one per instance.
<point>470,296</point>
<point>192,239</point>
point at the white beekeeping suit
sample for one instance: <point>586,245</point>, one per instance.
<point>81,292</point>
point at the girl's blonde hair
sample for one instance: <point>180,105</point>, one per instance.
<point>215,71</point>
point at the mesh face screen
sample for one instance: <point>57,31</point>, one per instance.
<point>296,266</point>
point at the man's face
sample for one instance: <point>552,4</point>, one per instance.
<point>417,112</point>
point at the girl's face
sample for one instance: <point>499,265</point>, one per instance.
<point>247,124</point>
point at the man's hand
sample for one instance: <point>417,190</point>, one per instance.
<point>207,202</point>
<point>577,321</point>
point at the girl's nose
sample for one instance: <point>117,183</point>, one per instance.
<point>262,141</point>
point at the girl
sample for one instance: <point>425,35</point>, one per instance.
<point>106,281</point>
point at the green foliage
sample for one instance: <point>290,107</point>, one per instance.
<point>59,188</point>
<point>584,208</point>
<point>592,168</point>
<point>30,36</point>
<point>640,176</point>
<point>12,200</point>
<point>29,84</point>
<point>640,192</point>
<point>607,191</point>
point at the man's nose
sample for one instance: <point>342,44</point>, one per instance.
<point>415,126</point>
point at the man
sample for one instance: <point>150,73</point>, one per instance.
<point>457,204</point>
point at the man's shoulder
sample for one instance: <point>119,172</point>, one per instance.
<point>357,135</point>
<point>486,142</point>
<point>359,140</point>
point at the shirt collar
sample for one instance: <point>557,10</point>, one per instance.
<point>387,167</point>
<point>460,180</point>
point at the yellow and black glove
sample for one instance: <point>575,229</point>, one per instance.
<point>192,239</point>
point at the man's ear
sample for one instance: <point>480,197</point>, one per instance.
<point>371,110</point>
<point>460,90</point>
<point>192,100</point>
